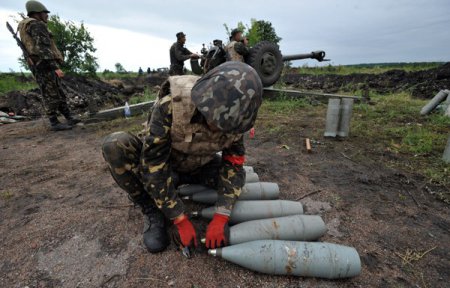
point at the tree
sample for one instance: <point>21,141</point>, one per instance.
<point>119,68</point>
<point>75,43</point>
<point>260,30</point>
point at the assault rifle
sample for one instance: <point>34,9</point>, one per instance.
<point>26,55</point>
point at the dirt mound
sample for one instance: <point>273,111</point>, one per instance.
<point>421,84</point>
<point>83,94</point>
<point>129,86</point>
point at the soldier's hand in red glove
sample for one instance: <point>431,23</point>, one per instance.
<point>218,231</point>
<point>186,231</point>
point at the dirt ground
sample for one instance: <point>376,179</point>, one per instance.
<point>65,223</point>
<point>421,84</point>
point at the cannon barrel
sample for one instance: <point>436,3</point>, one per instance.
<point>318,55</point>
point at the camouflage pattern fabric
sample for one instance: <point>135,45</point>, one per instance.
<point>146,167</point>
<point>52,93</point>
<point>46,57</point>
<point>236,51</point>
<point>122,152</point>
<point>39,43</point>
<point>178,54</point>
<point>229,96</point>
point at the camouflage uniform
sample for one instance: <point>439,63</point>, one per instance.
<point>158,163</point>
<point>236,51</point>
<point>178,54</point>
<point>43,52</point>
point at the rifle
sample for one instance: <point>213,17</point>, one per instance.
<point>26,55</point>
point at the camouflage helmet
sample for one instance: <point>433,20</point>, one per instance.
<point>35,7</point>
<point>229,96</point>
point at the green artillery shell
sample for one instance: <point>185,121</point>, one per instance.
<point>306,259</point>
<point>346,117</point>
<point>187,190</point>
<point>191,189</point>
<point>437,99</point>
<point>332,120</point>
<point>251,177</point>
<point>295,228</point>
<point>257,209</point>
<point>249,169</point>
<point>251,191</point>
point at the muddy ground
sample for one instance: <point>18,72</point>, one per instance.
<point>65,223</point>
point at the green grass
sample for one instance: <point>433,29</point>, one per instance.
<point>11,82</point>
<point>282,106</point>
<point>392,126</point>
<point>113,75</point>
<point>146,96</point>
<point>6,195</point>
<point>366,68</point>
<point>395,125</point>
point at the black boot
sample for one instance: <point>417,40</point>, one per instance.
<point>155,232</point>
<point>55,125</point>
<point>72,120</point>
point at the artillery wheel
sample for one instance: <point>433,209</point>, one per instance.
<point>266,58</point>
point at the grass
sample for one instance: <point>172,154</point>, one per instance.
<point>113,75</point>
<point>6,195</point>
<point>12,82</point>
<point>366,68</point>
<point>394,125</point>
<point>144,97</point>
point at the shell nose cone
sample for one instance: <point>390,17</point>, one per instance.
<point>212,252</point>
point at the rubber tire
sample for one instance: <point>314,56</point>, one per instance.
<point>266,58</point>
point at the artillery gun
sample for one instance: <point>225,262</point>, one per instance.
<point>265,57</point>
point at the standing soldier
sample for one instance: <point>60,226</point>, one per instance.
<point>179,54</point>
<point>187,128</point>
<point>237,48</point>
<point>45,58</point>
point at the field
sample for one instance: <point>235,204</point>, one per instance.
<point>384,190</point>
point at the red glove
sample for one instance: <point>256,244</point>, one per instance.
<point>186,230</point>
<point>217,233</point>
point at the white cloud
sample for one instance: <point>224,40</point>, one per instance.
<point>9,51</point>
<point>131,49</point>
<point>140,32</point>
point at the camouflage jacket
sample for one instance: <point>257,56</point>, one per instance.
<point>157,165</point>
<point>179,54</point>
<point>40,44</point>
<point>236,51</point>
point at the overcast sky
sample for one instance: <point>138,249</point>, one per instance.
<point>139,33</point>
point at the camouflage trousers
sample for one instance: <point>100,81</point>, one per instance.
<point>52,93</point>
<point>122,152</point>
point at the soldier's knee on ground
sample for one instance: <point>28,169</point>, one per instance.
<point>120,147</point>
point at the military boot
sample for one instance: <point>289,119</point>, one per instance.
<point>55,125</point>
<point>155,232</point>
<point>71,120</point>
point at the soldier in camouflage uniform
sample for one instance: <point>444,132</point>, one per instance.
<point>45,58</point>
<point>179,54</point>
<point>237,49</point>
<point>186,130</point>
